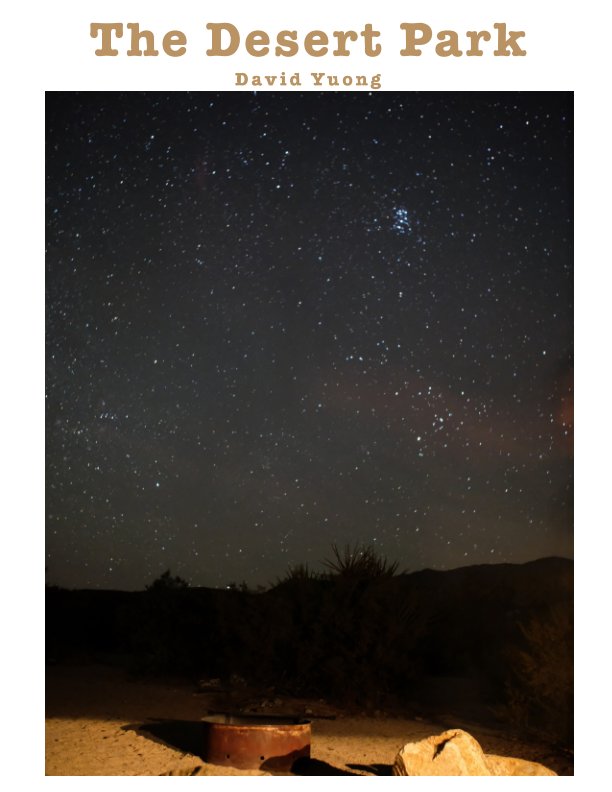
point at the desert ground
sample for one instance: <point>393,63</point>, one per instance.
<point>103,721</point>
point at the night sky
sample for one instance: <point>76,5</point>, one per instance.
<point>281,320</point>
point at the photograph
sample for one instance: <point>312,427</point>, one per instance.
<point>309,451</point>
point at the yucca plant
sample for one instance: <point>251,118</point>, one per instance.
<point>360,561</point>
<point>299,572</point>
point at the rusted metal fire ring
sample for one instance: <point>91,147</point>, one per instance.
<point>255,743</point>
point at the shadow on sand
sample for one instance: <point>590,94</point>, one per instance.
<point>314,767</point>
<point>186,736</point>
<point>373,769</point>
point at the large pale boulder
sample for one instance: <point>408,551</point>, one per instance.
<point>455,753</point>
<point>511,766</point>
<point>452,753</point>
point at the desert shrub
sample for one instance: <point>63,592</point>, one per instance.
<point>299,572</point>
<point>168,630</point>
<point>360,561</point>
<point>349,639</point>
<point>375,629</point>
<point>539,689</point>
<point>167,582</point>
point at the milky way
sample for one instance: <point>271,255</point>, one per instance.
<point>281,320</point>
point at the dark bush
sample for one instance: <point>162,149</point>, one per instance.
<point>539,687</point>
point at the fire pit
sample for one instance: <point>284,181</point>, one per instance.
<point>255,743</point>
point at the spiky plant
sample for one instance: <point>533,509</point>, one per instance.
<point>360,561</point>
<point>299,572</point>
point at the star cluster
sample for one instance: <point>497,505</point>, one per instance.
<point>281,320</point>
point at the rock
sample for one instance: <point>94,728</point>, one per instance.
<point>510,766</point>
<point>455,753</point>
<point>452,753</point>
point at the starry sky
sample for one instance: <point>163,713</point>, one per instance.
<point>277,321</point>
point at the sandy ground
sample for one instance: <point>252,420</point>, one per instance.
<point>101,721</point>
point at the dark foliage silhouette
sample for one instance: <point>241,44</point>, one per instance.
<point>358,635</point>
<point>360,561</point>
